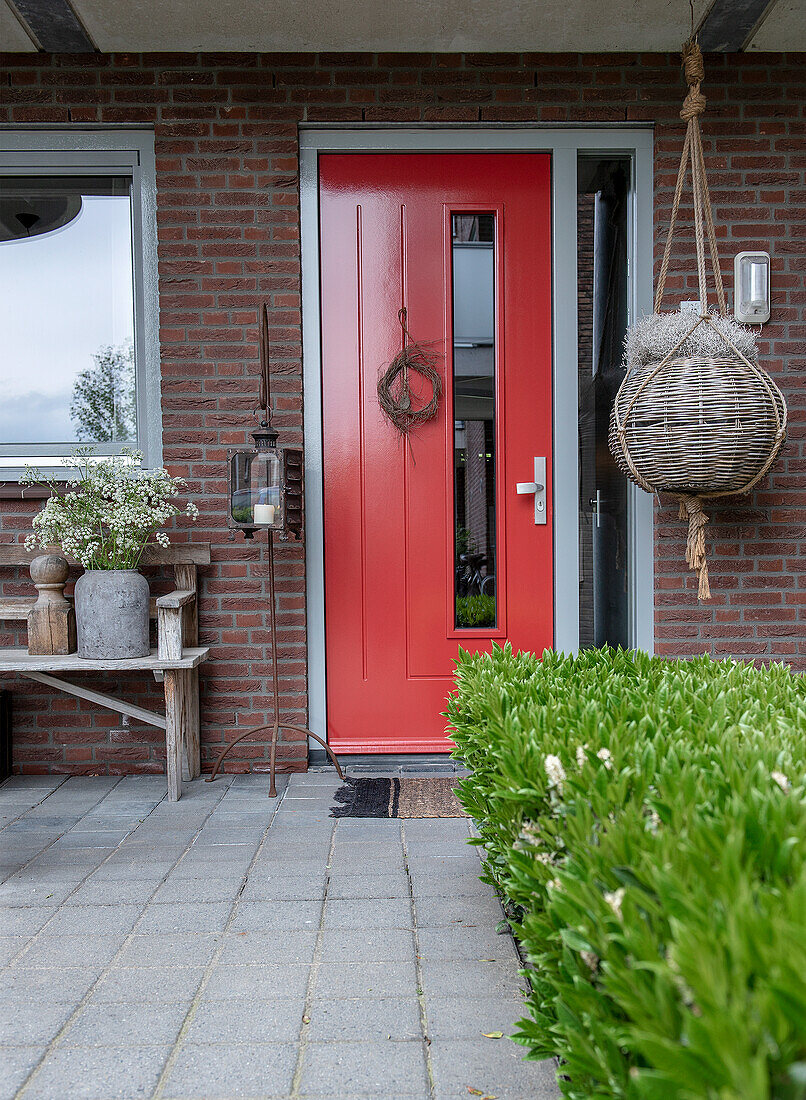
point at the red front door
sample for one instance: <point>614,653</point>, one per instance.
<point>428,544</point>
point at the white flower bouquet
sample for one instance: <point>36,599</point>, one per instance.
<point>109,511</point>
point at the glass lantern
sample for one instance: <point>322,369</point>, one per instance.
<point>256,485</point>
<point>266,486</point>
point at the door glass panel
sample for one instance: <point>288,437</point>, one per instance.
<point>473,246</point>
<point>602,302</point>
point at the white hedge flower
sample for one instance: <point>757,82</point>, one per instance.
<point>615,899</point>
<point>781,780</point>
<point>582,756</point>
<point>606,757</point>
<point>555,771</point>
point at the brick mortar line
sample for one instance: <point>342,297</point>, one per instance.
<point>429,1068</point>
<point>170,1062</point>
<point>54,1042</point>
<point>313,974</point>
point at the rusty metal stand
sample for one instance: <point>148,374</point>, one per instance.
<point>277,725</point>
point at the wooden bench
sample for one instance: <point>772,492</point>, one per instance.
<point>175,662</point>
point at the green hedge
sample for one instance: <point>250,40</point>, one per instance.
<point>648,820</point>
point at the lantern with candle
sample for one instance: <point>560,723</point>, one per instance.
<point>265,481</point>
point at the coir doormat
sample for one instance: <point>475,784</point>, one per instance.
<point>430,796</point>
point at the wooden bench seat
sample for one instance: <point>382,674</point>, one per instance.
<point>175,661</point>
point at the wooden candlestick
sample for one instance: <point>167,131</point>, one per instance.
<point>52,619</point>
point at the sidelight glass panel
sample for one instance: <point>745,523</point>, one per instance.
<point>602,304</point>
<point>474,419</point>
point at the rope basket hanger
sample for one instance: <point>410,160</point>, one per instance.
<point>701,419</point>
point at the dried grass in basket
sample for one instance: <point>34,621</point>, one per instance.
<point>697,426</point>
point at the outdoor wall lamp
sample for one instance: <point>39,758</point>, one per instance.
<point>751,287</point>
<point>265,494</point>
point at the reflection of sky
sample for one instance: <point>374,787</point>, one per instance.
<point>63,296</point>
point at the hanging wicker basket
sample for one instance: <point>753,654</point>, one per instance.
<point>697,425</point>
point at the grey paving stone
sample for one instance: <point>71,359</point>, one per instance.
<point>360,885</point>
<point>169,950</point>
<point>466,978</point>
<point>191,892</point>
<point>299,868</point>
<point>267,947</point>
<point>384,1069</point>
<point>368,913</point>
<point>351,830</point>
<point>367,854</point>
<point>260,982</point>
<point>493,1066</point>
<point>27,921</point>
<point>457,942</point>
<point>230,1071</point>
<point>11,946</point>
<point>86,920</point>
<point>17,1062</point>
<point>338,980</point>
<point>36,1022</point>
<point>449,886</point>
<point>176,918</point>
<point>274,916</point>
<point>462,862</point>
<point>245,1020</point>
<point>292,855</point>
<point>471,1017</point>
<point>372,945</point>
<point>477,911</point>
<point>98,1073</point>
<point>59,950</point>
<point>207,869</point>
<point>21,983</point>
<point>113,1025</point>
<point>439,828</point>
<point>131,871</point>
<point>279,887</point>
<point>153,984</point>
<point>111,893</point>
<point>365,1019</point>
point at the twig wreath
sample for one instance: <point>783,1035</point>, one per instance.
<point>394,385</point>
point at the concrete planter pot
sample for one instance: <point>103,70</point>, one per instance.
<point>112,614</point>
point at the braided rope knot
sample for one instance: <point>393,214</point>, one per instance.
<point>693,65</point>
<point>691,509</point>
<point>693,104</point>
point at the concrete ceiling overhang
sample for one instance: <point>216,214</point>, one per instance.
<point>589,26</point>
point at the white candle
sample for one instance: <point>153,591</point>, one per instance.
<point>264,513</point>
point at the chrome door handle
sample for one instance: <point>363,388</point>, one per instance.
<point>538,487</point>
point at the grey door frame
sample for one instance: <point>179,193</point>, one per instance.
<point>564,144</point>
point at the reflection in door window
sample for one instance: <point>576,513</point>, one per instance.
<point>474,419</point>
<point>602,302</point>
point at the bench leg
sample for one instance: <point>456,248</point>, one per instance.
<point>192,743</point>
<point>175,706</point>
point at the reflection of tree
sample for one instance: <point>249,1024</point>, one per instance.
<point>103,406</point>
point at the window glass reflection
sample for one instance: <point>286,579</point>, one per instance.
<point>67,374</point>
<point>474,419</point>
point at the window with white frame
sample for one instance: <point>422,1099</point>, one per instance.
<point>79,364</point>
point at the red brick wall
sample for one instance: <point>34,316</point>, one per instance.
<point>226,136</point>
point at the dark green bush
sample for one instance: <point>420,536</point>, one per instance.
<point>648,819</point>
